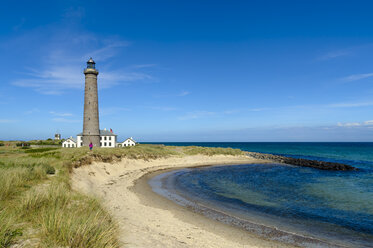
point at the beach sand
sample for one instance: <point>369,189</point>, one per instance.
<point>147,219</point>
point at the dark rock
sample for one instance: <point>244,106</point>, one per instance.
<point>303,162</point>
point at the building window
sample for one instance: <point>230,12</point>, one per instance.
<point>109,138</point>
<point>100,138</point>
<point>105,138</point>
<point>81,143</point>
<point>109,143</point>
<point>68,145</point>
<point>100,143</point>
<point>104,143</point>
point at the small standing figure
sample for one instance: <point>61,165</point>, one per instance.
<point>90,146</point>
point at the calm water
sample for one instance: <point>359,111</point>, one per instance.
<point>336,207</point>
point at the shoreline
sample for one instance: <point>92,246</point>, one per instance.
<point>147,219</point>
<point>161,183</point>
<point>190,215</point>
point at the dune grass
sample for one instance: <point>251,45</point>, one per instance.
<point>8,228</point>
<point>35,194</point>
<point>34,197</point>
<point>210,151</point>
<point>68,219</point>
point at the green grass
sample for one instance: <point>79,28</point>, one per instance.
<point>39,150</point>
<point>210,151</point>
<point>35,193</point>
<point>8,230</point>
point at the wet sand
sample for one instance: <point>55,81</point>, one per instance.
<point>147,219</point>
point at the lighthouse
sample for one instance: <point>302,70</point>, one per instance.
<point>91,125</point>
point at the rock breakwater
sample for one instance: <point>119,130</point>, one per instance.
<point>321,165</point>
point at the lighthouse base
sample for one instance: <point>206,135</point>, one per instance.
<point>95,139</point>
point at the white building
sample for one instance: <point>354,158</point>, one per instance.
<point>107,139</point>
<point>70,142</point>
<point>127,142</point>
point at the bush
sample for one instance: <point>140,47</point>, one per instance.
<point>1,144</point>
<point>23,144</point>
<point>49,169</point>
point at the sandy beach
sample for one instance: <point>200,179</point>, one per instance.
<point>147,219</point>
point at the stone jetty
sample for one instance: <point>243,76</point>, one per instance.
<point>321,165</point>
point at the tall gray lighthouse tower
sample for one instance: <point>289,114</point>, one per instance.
<point>91,126</point>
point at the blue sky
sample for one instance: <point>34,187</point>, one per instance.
<point>190,70</point>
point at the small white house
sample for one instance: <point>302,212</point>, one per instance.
<point>127,142</point>
<point>107,139</point>
<point>70,142</point>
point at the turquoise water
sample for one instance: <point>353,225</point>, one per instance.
<point>335,207</point>
<point>359,154</point>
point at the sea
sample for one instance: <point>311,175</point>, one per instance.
<point>296,205</point>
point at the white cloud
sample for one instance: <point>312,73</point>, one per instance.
<point>184,93</point>
<point>350,104</point>
<point>258,109</point>
<point>355,124</point>
<point>356,77</point>
<point>163,108</point>
<point>32,111</point>
<point>61,119</point>
<point>231,111</point>
<point>112,110</point>
<point>334,54</point>
<point>7,121</point>
<point>61,56</point>
<point>348,124</point>
<point>368,123</point>
<point>143,66</point>
<point>180,94</point>
<point>60,114</point>
<point>196,115</point>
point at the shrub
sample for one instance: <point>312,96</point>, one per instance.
<point>49,169</point>
<point>22,144</point>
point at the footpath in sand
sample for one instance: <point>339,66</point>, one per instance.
<point>148,220</point>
